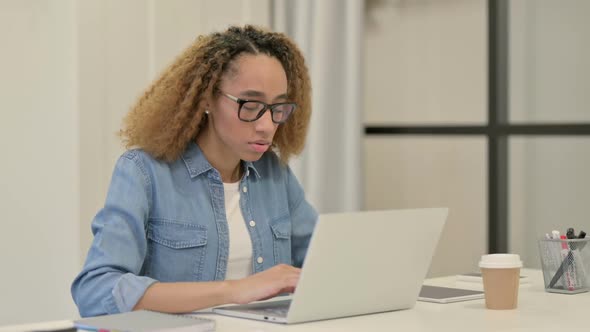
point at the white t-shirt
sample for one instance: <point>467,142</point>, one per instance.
<point>239,263</point>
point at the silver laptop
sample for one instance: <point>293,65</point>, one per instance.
<point>357,263</point>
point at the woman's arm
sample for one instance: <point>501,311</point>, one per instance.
<point>109,281</point>
<point>180,297</point>
<point>303,219</point>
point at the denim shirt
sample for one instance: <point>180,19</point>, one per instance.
<point>166,222</point>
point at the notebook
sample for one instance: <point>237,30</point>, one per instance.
<point>439,294</point>
<point>357,263</point>
<point>476,278</point>
<point>143,320</point>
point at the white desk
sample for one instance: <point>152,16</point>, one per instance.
<point>537,311</point>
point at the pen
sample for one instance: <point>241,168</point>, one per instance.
<point>579,245</point>
<point>582,275</point>
<point>562,268</point>
<point>570,234</point>
<point>567,257</point>
<point>581,236</point>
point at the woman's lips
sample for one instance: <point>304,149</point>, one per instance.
<point>259,146</point>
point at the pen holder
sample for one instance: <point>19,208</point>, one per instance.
<point>566,265</point>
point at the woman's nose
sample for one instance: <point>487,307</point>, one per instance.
<point>264,123</point>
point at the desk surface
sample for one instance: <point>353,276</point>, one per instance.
<point>537,311</point>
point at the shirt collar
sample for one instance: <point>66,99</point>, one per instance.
<point>197,164</point>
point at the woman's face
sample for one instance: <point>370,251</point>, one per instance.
<point>254,77</point>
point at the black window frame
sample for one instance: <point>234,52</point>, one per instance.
<point>497,130</point>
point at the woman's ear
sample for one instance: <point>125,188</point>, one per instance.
<point>208,104</point>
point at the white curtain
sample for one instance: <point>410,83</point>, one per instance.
<point>329,32</point>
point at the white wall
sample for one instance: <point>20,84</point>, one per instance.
<point>549,82</point>
<point>426,64</point>
<point>70,71</point>
<point>421,171</point>
<point>39,172</point>
<point>549,61</point>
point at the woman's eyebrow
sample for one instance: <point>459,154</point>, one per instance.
<point>252,93</point>
<point>258,94</point>
<point>281,96</point>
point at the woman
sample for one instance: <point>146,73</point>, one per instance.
<point>203,212</point>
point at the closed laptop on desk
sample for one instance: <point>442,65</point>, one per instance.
<point>358,263</point>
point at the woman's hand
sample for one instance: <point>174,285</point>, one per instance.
<point>266,284</point>
<point>178,297</point>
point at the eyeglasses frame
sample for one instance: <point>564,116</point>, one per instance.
<point>266,107</point>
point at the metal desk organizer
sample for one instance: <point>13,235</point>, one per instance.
<point>566,265</point>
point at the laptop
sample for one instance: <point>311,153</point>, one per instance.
<point>357,263</point>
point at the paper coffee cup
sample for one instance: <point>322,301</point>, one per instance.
<point>501,274</point>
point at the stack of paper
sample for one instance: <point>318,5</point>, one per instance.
<point>144,321</point>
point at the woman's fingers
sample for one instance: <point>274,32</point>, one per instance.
<point>269,283</point>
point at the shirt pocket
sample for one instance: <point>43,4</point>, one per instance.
<point>281,230</point>
<point>176,251</point>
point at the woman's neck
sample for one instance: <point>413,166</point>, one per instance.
<point>229,168</point>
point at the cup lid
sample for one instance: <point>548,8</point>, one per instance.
<point>499,261</point>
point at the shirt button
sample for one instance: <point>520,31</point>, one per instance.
<point>245,189</point>
<point>252,223</point>
<point>248,173</point>
<point>260,260</point>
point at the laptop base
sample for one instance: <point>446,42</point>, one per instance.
<point>275,312</point>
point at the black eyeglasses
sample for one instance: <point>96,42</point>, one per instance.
<point>252,110</point>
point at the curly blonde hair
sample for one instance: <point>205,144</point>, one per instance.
<point>170,113</point>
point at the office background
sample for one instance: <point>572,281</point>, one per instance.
<point>71,69</point>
